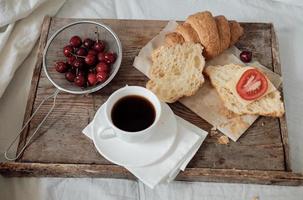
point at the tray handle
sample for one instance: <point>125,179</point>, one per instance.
<point>54,96</point>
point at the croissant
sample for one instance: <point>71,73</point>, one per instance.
<point>214,33</point>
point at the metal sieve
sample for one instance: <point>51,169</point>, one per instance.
<point>53,52</point>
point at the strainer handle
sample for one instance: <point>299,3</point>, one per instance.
<point>54,96</point>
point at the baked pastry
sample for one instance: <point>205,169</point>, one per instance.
<point>214,33</point>
<point>176,71</point>
<point>224,32</point>
<point>236,31</point>
<point>222,77</point>
<point>187,32</point>
<point>205,26</point>
<point>173,38</point>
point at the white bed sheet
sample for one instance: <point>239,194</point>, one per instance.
<point>287,16</point>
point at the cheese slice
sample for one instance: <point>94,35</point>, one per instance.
<point>232,85</point>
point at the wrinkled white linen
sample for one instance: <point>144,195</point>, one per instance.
<point>288,20</point>
<point>13,10</point>
<point>17,38</point>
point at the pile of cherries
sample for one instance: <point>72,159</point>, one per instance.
<point>87,63</point>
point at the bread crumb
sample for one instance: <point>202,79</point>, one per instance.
<point>213,133</point>
<point>227,113</point>
<point>223,140</point>
<point>256,198</point>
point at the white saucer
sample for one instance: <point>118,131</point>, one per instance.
<point>138,154</point>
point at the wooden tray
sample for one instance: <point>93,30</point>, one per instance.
<point>60,149</point>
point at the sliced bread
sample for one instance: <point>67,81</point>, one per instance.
<point>268,105</point>
<point>176,71</point>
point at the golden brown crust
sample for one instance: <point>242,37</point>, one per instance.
<point>205,26</point>
<point>188,33</point>
<point>173,38</point>
<point>236,32</point>
<point>224,32</point>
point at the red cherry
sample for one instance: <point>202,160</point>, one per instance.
<point>61,67</point>
<point>79,81</point>
<point>88,43</point>
<point>81,73</point>
<point>101,57</point>
<point>70,60</point>
<point>246,56</point>
<point>70,76</point>
<point>102,67</point>
<point>90,59</point>
<point>68,50</point>
<point>78,63</point>
<point>110,57</point>
<point>93,52</point>
<point>91,70</point>
<point>91,79</point>
<point>102,76</point>
<point>81,52</point>
<point>99,46</point>
<point>75,41</point>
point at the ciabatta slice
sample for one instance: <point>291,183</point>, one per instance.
<point>268,105</point>
<point>176,71</point>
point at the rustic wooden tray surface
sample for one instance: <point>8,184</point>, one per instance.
<point>60,149</point>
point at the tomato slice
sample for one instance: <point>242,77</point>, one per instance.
<point>252,84</point>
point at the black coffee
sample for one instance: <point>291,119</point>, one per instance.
<point>133,113</point>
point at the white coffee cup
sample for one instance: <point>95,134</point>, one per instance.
<point>132,137</point>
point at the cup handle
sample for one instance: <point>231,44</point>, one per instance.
<point>101,133</point>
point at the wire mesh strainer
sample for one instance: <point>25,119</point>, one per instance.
<point>53,52</point>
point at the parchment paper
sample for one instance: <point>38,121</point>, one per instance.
<point>206,103</point>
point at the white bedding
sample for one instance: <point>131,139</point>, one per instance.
<point>287,16</point>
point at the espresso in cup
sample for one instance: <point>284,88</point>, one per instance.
<point>133,113</point>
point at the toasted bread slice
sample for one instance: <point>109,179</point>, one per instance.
<point>176,71</point>
<point>268,105</point>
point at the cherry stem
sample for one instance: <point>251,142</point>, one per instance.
<point>97,34</point>
<point>76,55</point>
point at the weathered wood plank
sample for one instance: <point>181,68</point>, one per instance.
<point>241,176</point>
<point>60,139</point>
<point>191,174</point>
<point>282,120</point>
<point>36,75</point>
<point>260,156</point>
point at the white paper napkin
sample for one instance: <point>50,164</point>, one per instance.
<point>189,139</point>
